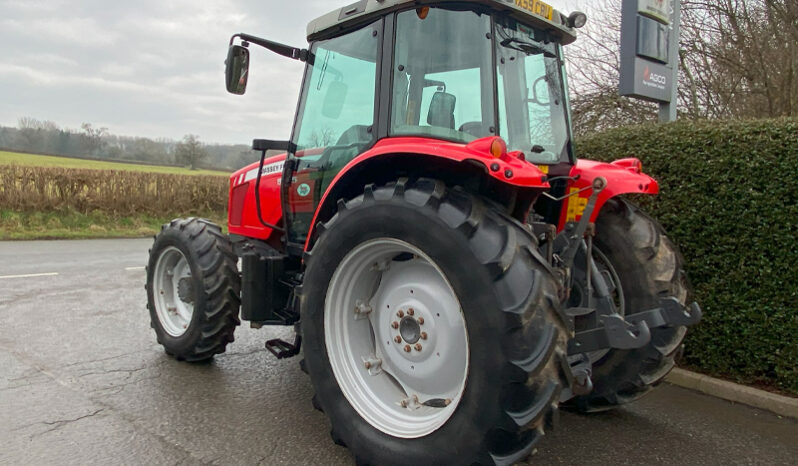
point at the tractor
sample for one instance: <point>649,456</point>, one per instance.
<point>454,274</point>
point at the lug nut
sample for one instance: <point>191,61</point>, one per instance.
<point>411,311</point>
<point>400,314</point>
<point>407,348</point>
<point>418,346</point>
<point>423,335</point>
<point>367,364</point>
<point>398,339</point>
<point>395,325</point>
<point>420,321</point>
<point>403,403</point>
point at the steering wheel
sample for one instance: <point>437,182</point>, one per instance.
<point>535,98</point>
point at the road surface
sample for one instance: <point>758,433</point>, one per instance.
<point>83,381</point>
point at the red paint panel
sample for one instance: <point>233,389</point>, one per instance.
<point>248,224</point>
<point>622,177</point>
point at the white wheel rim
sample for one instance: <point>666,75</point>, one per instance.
<point>387,385</point>
<point>173,313</point>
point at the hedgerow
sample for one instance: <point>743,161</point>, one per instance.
<point>120,193</point>
<point>729,198</point>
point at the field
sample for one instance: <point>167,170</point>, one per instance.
<point>57,197</point>
<point>28,160</point>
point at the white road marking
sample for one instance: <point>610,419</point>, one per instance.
<point>30,275</point>
<point>129,269</point>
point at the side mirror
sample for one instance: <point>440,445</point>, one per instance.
<point>237,69</point>
<point>334,100</point>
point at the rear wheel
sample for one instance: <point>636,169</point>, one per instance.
<point>193,289</point>
<point>431,329</point>
<point>642,265</point>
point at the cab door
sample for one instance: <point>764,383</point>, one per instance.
<point>335,121</point>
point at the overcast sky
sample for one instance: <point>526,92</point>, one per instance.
<point>152,68</point>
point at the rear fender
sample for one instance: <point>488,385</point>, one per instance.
<point>623,177</point>
<point>412,156</point>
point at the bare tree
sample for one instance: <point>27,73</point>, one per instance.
<point>594,72</point>
<point>190,152</point>
<point>321,138</point>
<point>738,59</point>
<point>93,138</point>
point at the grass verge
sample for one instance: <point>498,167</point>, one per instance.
<point>76,225</point>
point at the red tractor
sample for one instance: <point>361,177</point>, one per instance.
<point>452,271</point>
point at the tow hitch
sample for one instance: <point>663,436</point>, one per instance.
<point>610,329</point>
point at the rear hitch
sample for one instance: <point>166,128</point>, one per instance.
<point>671,313</point>
<point>633,331</point>
<point>615,333</point>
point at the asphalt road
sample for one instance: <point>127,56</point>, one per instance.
<point>82,381</point>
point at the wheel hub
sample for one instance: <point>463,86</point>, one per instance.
<point>410,330</point>
<point>185,290</point>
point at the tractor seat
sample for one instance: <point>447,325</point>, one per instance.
<point>441,110</point>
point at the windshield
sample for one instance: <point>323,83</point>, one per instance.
<point>532,100</point>
<point>443,79</point>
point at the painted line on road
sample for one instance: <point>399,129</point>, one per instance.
<point>130,269</point>
<point>30,275</point>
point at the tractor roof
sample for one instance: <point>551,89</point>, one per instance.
<point>363,12</point>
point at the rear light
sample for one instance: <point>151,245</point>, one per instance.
<point>498,148</point>
<point>632,164</point>
<point>493,145</point>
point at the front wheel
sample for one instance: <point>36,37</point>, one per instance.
<point>641,266</point>
<point>431,329</point>
<point>193,289</point>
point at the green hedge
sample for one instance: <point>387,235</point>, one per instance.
<point>729,198</point>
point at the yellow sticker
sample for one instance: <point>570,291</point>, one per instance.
<point>576,205</point>
<point>537,7</point>
<point>572,205</point>
<point>544,169</point>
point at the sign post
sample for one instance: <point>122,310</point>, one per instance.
<point>650,53</point>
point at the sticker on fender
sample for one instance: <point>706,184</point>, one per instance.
<point>267,170</point>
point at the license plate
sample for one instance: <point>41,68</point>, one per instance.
<point>537,7</point>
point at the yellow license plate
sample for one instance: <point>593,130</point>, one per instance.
<point>537,7</point>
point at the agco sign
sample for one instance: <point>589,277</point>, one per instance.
<point>649,50</point>
<point>650,78</point>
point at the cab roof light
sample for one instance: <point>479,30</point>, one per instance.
<point>577,20</point>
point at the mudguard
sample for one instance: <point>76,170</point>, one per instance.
<point>507,168</point>
<point>623,176</point>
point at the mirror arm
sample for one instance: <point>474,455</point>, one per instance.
<point>276,47</point>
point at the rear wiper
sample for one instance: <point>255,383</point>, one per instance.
<point>529,48</point>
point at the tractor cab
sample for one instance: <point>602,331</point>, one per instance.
<point>453,72</point>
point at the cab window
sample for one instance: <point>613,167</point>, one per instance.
<point>442,84</point>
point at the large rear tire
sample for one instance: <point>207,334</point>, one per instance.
<point>193,289</point>
<point>646,266</point>
<point>486,379</point>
